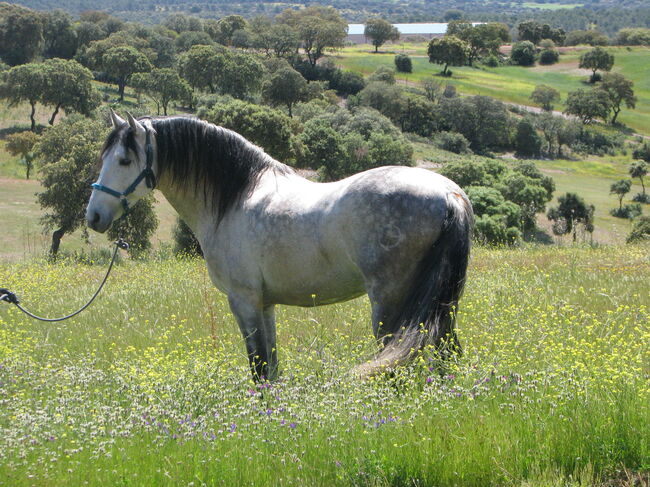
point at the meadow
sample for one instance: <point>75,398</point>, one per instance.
<point>150,386</point>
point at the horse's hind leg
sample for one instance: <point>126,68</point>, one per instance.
<point>271,346</point>
<point>252,318</point>
<point>386,295</point>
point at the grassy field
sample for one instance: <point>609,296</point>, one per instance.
<point>150,386</point>
<point>514,84</point>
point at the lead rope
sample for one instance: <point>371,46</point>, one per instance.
<point>9,297</point>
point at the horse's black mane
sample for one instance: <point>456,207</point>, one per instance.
<point>200,156</point>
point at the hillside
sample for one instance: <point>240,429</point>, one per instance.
<point>514,84</point>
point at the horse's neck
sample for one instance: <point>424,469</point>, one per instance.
<point>190,205</point>
<point>194,210</point>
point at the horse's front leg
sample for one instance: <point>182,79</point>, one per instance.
<point>260,340</point>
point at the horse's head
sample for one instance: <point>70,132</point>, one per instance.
<point>127,172</point>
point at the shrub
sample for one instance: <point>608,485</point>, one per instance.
<point>638,36</point>
<point>403,63</point>
<point>384,74</point>
<point>492,61</point>
<point>589,37</point>
<point>640,230</point>
<point>482,120</point>
<point>523,53</point>
<point>549,56</point>
<point>349,83</point>
<point>267,127</point>
<point>629,211</point>
<point>185,243</point>
<point>641,198</point>
<point>593,141</point>
<point>527,142</point>
<point>452,142</point>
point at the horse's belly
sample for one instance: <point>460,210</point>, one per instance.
<point>323,285</point>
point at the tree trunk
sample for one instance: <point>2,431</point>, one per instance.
<point>57,235</point>
<point>31,116</point>
<point>444,71</point>
<point>615,115</point>
<point>56,112</point>
<point>28,168</point>
<point>290,114</point>
<point>642,185</point>
<point>376,48</point>
<point>120,86</point>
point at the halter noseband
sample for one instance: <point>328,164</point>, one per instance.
<point>147,174</point>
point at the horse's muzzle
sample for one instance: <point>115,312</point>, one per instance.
<point>97,221</point>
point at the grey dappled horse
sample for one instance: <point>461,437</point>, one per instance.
<point>269,236</point>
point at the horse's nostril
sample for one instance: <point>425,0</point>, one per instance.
<point>95,219</point>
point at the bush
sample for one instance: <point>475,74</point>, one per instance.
<point>641,198</point>
<point>593,141</point>
<point>527,142</point>
<point>628,211</point>
<point>640,230</point>
<point>384,74</point>
<point>589,37</point>
<point>549,56</point>
<point>482,120</point>
<point>185,243</point>
<point>492,61</point>
<point>452,142</point>
<point>349,83</point>
<point>523,53</point>
<point>638,36</point>
<point>403,63</point>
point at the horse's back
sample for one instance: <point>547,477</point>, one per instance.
<point>392,200</point>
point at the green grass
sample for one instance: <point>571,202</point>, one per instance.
<point>514,84</point>
<point>150,386</point>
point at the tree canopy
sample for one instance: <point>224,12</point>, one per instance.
<point>122,62</point>
<point>448,50</point>
<point>319,28</point>
<point>620,91</point>
<point>379,32</point>
<point>595,60</point>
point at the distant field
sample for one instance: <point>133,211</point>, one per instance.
<point>514,84</point>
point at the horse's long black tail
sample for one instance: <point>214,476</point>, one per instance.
<point>427,315</point>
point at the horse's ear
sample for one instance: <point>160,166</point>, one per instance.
<point>137,127</point>
<point>116,119</point>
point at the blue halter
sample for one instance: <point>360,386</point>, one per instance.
<point>147,174</point>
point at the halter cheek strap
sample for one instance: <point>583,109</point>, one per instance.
<point>147,174</point>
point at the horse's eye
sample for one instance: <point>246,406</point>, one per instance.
<point>125,162</point>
